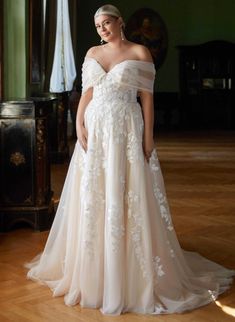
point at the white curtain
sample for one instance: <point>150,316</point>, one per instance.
<point>63,70</point>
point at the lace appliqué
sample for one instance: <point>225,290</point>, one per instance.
<point>159,309</point>
<point>213,295</point>
<point>158,267</point>
<point>93,204</point>
<point>159,195</point>
<point>115,219</point>
<point>92,199</point>
<point>172,252</point>
<point>134,149</point>
<point>136,223</point>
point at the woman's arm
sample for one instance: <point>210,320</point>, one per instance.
<point>146,99</point>
<point>82,133</point>
<point>147,104</point>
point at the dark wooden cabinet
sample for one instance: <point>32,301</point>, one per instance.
<point>57,104</point>
<point>59,148</point>
<point>25,189</point>
<point>207,85</point>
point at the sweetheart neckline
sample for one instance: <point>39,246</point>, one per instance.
<point>121,62</point>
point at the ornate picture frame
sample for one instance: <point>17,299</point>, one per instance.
<point>146,27</point>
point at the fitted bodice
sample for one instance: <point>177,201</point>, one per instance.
<point>109,90</point>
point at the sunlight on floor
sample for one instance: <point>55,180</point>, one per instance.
<point>226,309</point>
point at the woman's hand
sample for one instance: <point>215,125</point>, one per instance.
<point>148,146</point>
<point>82,136</point>
<point>82,133</point>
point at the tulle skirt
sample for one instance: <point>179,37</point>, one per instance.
<point>112,245</point>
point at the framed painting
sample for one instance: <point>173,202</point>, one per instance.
<point>146,27</point>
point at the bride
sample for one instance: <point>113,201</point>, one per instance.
<point>112,244</point>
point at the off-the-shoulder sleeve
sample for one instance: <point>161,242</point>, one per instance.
<point>137,74</point>
<point>146,77</point>
<point>91,73</point>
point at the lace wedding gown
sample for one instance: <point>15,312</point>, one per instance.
<point>112,244</point>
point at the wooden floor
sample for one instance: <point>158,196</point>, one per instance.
<point>199,172</point>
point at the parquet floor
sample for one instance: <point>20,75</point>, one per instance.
<point>199,172</point>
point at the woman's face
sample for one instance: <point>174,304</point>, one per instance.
<point>108,27</point>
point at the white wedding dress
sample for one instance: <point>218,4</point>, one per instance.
<point>112,244</point>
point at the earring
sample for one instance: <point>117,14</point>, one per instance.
<point>101,41</point>
<point>122,34</point>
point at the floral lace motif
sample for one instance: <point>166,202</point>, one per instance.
<point>213,295</point>
<point>112,111</point>
<point>136,223</point>
<point>93,205</point>
<point>115,218</point>
<point>171,250</point>
<point>92,198</point>
<point>114,121</point>
<point>134,149</point>
<point>158,267</point>
<point>159,195</point>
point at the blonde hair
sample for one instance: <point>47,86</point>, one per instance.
<point>108,10</point>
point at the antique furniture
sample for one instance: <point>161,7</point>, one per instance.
<point>25,189</point>
<point>57,125</point>
<point>207,85</point>
<point>59,148</point>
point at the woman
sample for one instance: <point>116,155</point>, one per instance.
<point>112,244</point>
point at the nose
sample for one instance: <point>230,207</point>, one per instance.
<point>102,27</point>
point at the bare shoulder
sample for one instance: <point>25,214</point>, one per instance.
<point>141,52</point>
<point>93,51</point>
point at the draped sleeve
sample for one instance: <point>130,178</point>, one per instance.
<point>91,73</point>
<point>137,74</point>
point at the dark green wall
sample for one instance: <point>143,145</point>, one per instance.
<point>14,44</point>
<point>187,21</point>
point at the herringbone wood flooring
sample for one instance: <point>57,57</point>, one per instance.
<point>199,172</point>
